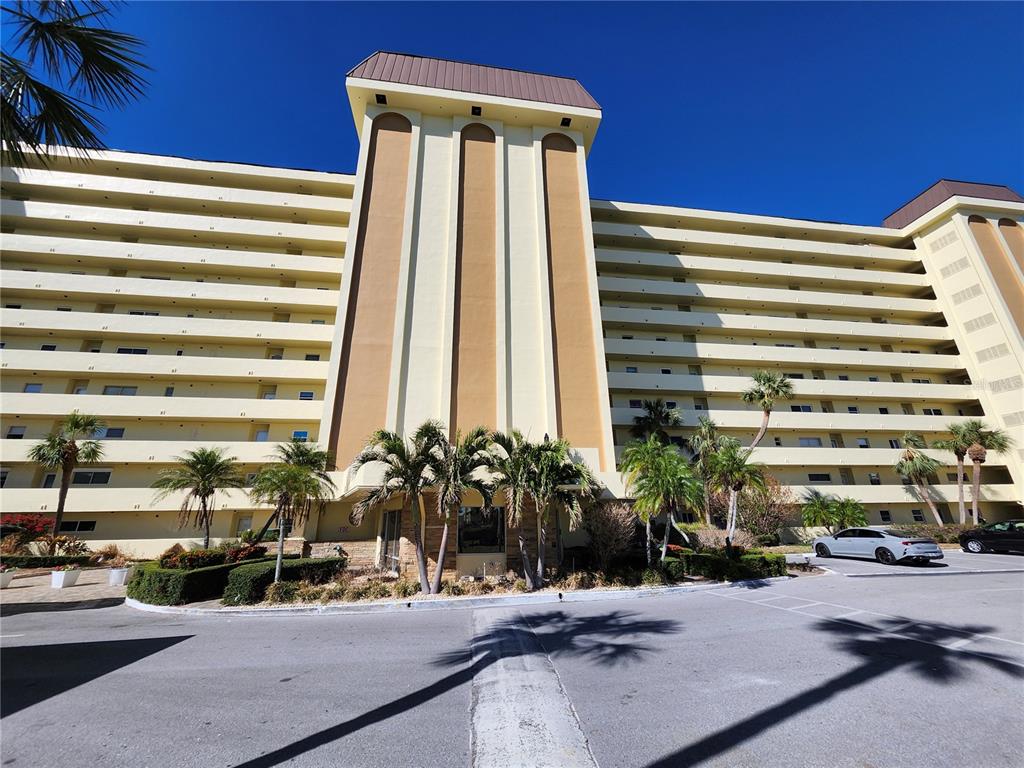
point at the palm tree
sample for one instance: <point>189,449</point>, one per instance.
<point>849,513</point>
<point>818,510</point>
<point>960,440</point>
<point>295,485</point>
<point>555,480</point>
<point>457,467</point>
<point>406,476</point>
<point>71,66</point>
<point>656,419</point>
<point>65,449</point>
<point>702,444</point>
<point>984,440</point>
<point>916,467</point>
<point>666,484</point>
<point>766,389</point>
<point>201,472</point>
<point>513,461</point>
<point>731,470</point>
<point>641,461</point>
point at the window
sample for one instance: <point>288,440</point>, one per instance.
<point>12,306</point>
<point>794,375</point>
<point>819,477</point>
<point>843,377</point>
<point>145,312</point>
<point>785,345</point>
<point>91,477</point>
<point>305,395</point>
<point>132,351</point>
<point>627,337</point>
<point>918,515</point>
<point>700,404</point>
<point>862,442</point>
<point>49,479</point>
<point>179,353</point>
<point>318,322</point>
<point>922,381</point>
<point>244,524</point>
<point>110,433</point>
<point>895,443</point>
<point>33,388</point>
<point>800,408</point>
<point>48,348</point>
<point>852,409</point>
<point>778,441</point>
<point>666,370</point>
<point>885,515</point>
<point>114,389</point>
<point>3,477</point>
<point>883,411</point>
<point>262,435</point>
<point>63,309</point>
<point>168,391</point>
<point>810,442</point>
<point>635,404</point>
<point>872,378</point>
<point>874,479</point>
<point>630,369</point>
<point>481,530</point>
<point>670,404</point>
<point>77,526</point>
<point>695,370</point>
<point>312,357</point>
<point>300,435</point>
<point>932,411</point>
<point>15,433</point>
<point>660,338</point>
<point>951,477</point>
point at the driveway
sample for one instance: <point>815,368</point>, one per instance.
<point>820,671</point>
<point>954,562</point>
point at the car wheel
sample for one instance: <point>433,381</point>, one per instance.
<point>884,556</point>
<point>974,546</point>
<point>822,551</point>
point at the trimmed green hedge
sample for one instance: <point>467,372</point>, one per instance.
<point>43,561</point>
<point>753,565</point>
<point>175,586</point>
<point>248,583</point>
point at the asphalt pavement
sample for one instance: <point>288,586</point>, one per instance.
<point>820,671</point>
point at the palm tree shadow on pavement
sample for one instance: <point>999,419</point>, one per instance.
<point>884,647</point>
<point>604,639</point>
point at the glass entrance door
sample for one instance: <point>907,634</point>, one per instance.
<point>391,527</point>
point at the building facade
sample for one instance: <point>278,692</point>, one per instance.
<point>464,273</point>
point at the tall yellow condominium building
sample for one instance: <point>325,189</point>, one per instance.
<point>464,273</point>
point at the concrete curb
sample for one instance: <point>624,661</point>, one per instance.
<point>930,573</point>
<point>391,606</point>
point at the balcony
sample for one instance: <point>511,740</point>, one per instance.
<point>154,225</point>
<point>191,367</point>
<point>43,249</point>
<point>149,451</point>
<point>763,272</point>
<point>817,422</point>
<point>768,326</point>
<point>770,355</point>
<point>638,289</point>
<point>110,499</point>
<point>149,407</point>
<point>666,384</point>
<point>105,289</point>
<point>93,325</point>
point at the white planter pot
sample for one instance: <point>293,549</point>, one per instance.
<point>62,579</point>
<point>118,576</point>
<point>5,579</point>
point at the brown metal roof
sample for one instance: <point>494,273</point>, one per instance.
<point>473,78</point>
<point>940,192</point>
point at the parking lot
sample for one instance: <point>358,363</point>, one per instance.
<point>954,561</point>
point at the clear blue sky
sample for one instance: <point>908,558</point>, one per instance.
<point>826,111</point>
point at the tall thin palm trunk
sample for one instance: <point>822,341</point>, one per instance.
<point>542,541</point>
<point>280,543</point>
<point>668,531</point>
<point>435,586</point>
<point>649,540</point>
<point>923,490</point>
<point>527,574</point>
<point>960,487</point>
<point>204,506</point>
<point>66,473</point>
<point>765,415</point>
<point>707,502</point>
<point>976,492</point>
<point>417,538</point>
<point>730,528</point>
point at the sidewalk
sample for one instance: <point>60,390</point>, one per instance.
<point>30,591</point>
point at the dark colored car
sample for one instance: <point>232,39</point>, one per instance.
<point>1005,536</point>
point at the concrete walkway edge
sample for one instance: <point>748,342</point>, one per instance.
<point>392,606</point>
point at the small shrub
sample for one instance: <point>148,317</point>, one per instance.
<point>68,546</point>
<point>169,555</point>
<point>282,592</point>
<point>404,588</point>
<point>306,592</point>
<point>198,558</point>
<point>579,580</point>
<point>519,585</point>
<point>239,552</point>
<point>714,538</point>
<point>376,590</point>
<point>248,581</point>
<point>611,527</point>
<point>106,553</point>
<point>675,568</point>
<point>652,577</point>
<point>334,591</point>
<point>483,587</point>
<point>451,588</point>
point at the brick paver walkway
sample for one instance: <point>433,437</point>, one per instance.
<point>31,591</point>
